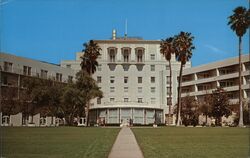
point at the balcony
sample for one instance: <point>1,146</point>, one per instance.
<point>7,68</point>
<point>17,71</point>
<point>229,83</point>
<point>228,70</point>
<point>247,66</point>
<point>206,74</point>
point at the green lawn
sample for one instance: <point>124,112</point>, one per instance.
<point>183,142</point>
<point>68,142</point>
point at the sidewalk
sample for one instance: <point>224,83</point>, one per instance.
<point>125,145</point>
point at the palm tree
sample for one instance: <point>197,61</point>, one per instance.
<point>89,64</point>
<point>239,22</point>
<point>183,43</point>
<point>167,49</point>
<point>89,58</point>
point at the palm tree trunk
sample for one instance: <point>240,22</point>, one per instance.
<point>240,90</point>
<point>206,119</point>
<point>87,114</point>
<point>88,104</point>
<point>170,94</point>
<point>179,98</point>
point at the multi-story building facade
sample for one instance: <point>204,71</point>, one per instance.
<point>134,78</point>
<point>13,70</point>
<point>201,80</point>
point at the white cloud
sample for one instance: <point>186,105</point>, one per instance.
<point>215,49</point>
<point>4,2</point>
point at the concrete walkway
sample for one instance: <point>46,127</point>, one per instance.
<point>125,145</point>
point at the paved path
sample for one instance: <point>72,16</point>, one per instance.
<point>125,145</point>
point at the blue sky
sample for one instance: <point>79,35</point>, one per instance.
<point>54,30</point>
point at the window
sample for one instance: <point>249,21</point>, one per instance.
<point>112,100</point>
<point>227,84</point>
<point>27,70</point>
<point>247,65</point>
<point>99,67</point>
<point>99,79</point>
<point>112,89</point>
<point>58,77</point>
<point>139,79</point>
<point>139,89</point>
<point>205,87</point>
<point>5,80</point>
<point>112,79</point>
<point>8,66</point>
<point>126,55</point>
<point>44,73</point>
<point>168,91</point>
<point>70,78</point>
<point>248,79</point>
<point>99,101</point>
<point>152,56</point>
<point>68,66</point>
<point>139,55</point>
<point>152,67</point>
<point>125,99</point>
<point>152,79</point>
<point>168,79</point>
<point>112,55</point>
<point>139,100</point>
<point>125,89</point>
<point>125,79</point>
<point>99,56</point>
<point>169,100</point>
<point>167,67</point>
<point>152,89</point>
<point>152,100</point>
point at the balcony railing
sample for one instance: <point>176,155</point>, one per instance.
<point>19,71</point>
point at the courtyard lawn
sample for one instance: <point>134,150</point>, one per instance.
<point>68,142</point>
<point>172,142</point>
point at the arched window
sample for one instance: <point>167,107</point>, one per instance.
<point>112,54</point>
<point>126,54</point>
<point>139,54</point>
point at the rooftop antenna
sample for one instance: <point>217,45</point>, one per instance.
<point>126,28</point>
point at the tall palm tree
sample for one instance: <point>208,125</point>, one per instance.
<point>167,49</point>
<point>89,64</point>
<point>183,43</point>
<point>89,58</point>
<point>239,22</point>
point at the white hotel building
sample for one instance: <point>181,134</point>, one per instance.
<point>134,78</point>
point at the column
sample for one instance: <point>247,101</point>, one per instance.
<point>195,77</point>
<point>217,84</point>
<point>244,82</point>
<point>243,67</point>
<point>217,72</point>
<point>244,94</point>
<point>195,88</point>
